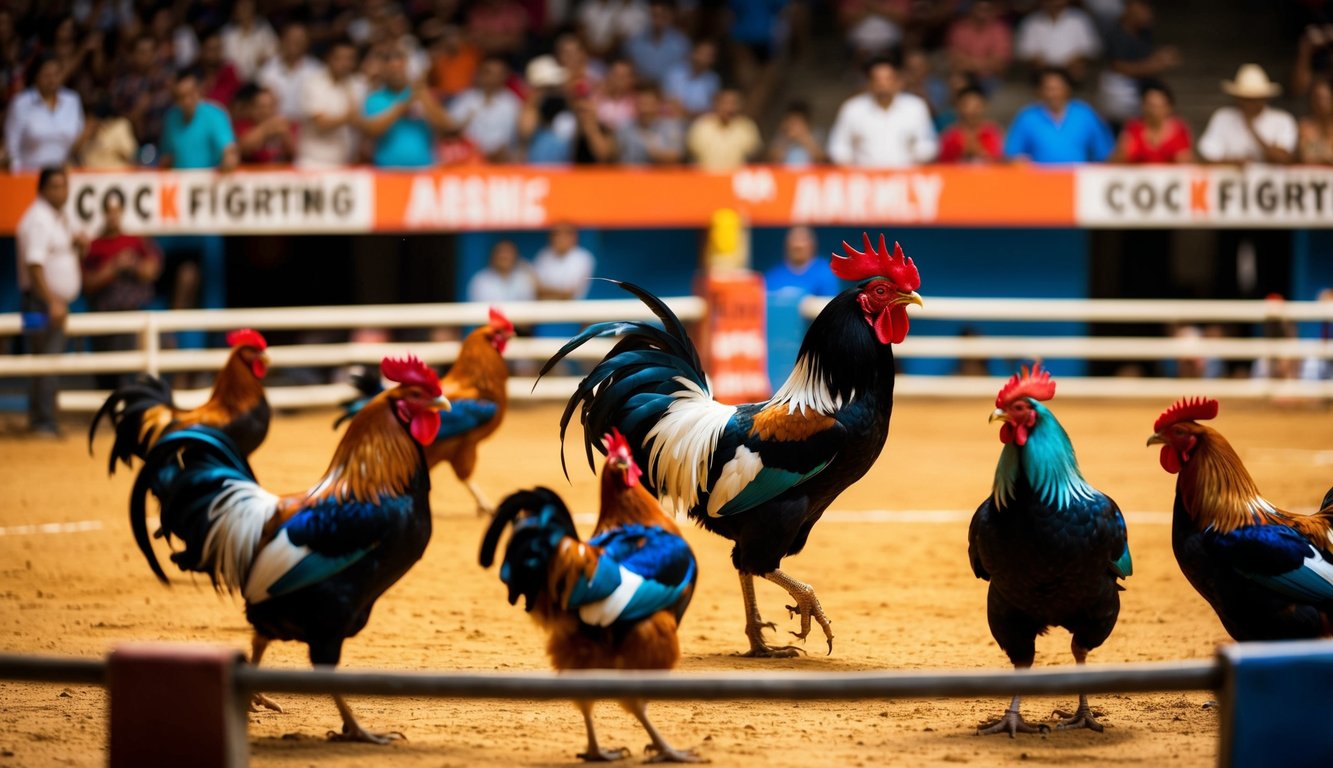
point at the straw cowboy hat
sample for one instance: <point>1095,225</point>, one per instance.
<point>1251,83</point>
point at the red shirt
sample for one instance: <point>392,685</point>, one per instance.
<point>1175,139</point>
<point>223,86</point>
<point>952,143</point>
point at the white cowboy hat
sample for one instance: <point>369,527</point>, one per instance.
<point>1251,83</point>
<point>545,72</point>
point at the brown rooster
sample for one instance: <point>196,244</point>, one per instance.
<point>476,385</point>
<point>142,412</point>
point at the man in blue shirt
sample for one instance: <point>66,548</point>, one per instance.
<point>196,133</point>
<point>1056,128</point>
<point>800,270</point>
<point>661,46</point>
<point>403,118</point>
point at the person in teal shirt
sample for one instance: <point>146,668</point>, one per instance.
<point>403,118</point>
<point>196,133</point>
<point>1056,128</point>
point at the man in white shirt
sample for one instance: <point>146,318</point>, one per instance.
<point>248,41</point>
<point>607,24</point>
<point>330,105</point>
<point>1058,36</point>
<point>49,276</point>
<point>507,278</point>
<point>287,73</point>
<point>563,268</point>
<point>489,111</point>
<point>883,127</point>
<point>1250,131</point>
<point>45,122</point>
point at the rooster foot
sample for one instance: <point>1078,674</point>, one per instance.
<point>1011,723</point>
<point>808,610</point>
<point>260,700</point>
<point>1083,717</point>
<point>604,755</point>
<point>358,734</point>
<point>670,755</point>
<point>761,650</point>
<point>485,511</point>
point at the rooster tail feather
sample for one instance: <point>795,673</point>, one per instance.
<point>126,409</point>
<point>369,384</point>
<point>209,500</point>
<point>540,521</point>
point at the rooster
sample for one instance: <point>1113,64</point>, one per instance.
<point>142,412</point>
<point>310,565</point>
<point>1267,573</point>
<point>614,602</point>
<point>1052,547</point>
<point>476,385</point>
<point>760,474</point>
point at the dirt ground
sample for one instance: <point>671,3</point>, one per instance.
<point>899,591</point>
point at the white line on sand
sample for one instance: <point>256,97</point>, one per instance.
<point>79,527</point>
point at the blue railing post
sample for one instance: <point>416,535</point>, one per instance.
<point>1277,705</point>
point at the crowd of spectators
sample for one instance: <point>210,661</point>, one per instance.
<point>412,84</point>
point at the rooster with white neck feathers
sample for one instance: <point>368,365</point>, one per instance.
<point>760,474</point>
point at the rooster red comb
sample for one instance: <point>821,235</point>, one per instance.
<point>499,322</point>
<point>617,447</point>
<point>876,262</point>
<point>410,370</point>
<point>1187,409</point>
<point>1034,382</point>
<point>246,337</point>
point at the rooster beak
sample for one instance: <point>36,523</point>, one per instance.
<point>998,415</point>
<point>1157,439</point>
<point>441,403</point>
<point>911,297</point>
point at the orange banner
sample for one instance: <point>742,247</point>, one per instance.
<point>735,348</point>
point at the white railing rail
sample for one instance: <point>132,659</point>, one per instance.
<point>152,358</point>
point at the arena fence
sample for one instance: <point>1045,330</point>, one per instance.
<point>152,356</point>
<point>1260,686</point>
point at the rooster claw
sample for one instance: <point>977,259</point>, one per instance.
<point>669,755</point>
<point>260,700</point>
<point>1011,723</point>
<point>604,755</point>
<point>1083,717</point>
<point>361,735</point>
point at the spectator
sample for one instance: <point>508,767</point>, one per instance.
<point>917,79</point>
<point>545,126</point>
<point>177,45</point>
<point>49,278</point>
<point>403,118</point>
<point>800,271</point>
<point>757,36</point>
<point>1316,130</point>
<point>724,139</point>
<point>661,46</point>
<point>287,73</point>
<point>693,86</point>
<point>218,81</point>
<point>454,62</point>
<point>489,112</point>
<point>796,144</point>
<point>652,138</point>
<point>1314,57</point>
<point>1133,56</point>
<point>1058,36</point>
<point>1250,131</point>
<point>108,139</point>
<point>331,104</point>
<point>563,268</point>
<point>45,122</point>
<point>263,136</point>
<point>1057,128</point>
<point>248,41</point>
<point>873,28</point>
<point>505,279</point>
<point>973,138</point>
<point>581,71</point>
<point>119,275</point>
<point>1158,136</point>
<point>883,127</point>
<point>607,24</point>
<point>142,91</point>
<point>594,141</point>
<point>981,44</point>
<point>614,97</point>
<point>498,27</point>
<point>196,133</point>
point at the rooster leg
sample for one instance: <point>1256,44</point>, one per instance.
<point>484,507</point>
<point>755,626</point>
<point>807,605</point>
<point>594,753</point>
<point>1083,716</point>
<point>662,752</point>
<point>259,644</point>
<point>1011,723</point>
<point>352,730</point>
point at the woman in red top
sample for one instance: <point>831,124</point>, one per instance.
<point>1158,136</point>
<point>973,138</point>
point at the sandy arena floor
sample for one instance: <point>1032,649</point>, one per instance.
<point>901,595</point>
